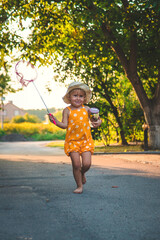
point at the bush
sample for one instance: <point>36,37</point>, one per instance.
<point>18,119</point>
<point>2,132</point>
<point>26,118</point>
<point>59,135</point>
<point>37,131</point>
<point>31,118</point>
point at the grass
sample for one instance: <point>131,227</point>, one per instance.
<point>59,144</point>
<point>109,149</point>
<point>118,148</point>
<point>35,131</point>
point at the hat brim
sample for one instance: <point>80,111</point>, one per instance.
<point>81,86</point>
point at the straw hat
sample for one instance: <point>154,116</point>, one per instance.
<point>75,85</point>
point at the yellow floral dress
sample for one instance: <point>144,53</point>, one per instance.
<point>78,136</point>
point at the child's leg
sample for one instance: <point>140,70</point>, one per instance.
<point>86,163</point>
<point>76,164</point>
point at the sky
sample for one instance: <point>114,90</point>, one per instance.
<point>28,97</point>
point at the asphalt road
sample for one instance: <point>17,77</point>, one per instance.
<point>29,148</point>
<point>121,199</point>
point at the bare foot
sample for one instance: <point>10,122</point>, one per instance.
<point>78,190</point>
<point>83,178</point>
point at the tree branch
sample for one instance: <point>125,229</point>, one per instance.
<point>115,46</point>
<point>129,66</point>
<point>133,53</point>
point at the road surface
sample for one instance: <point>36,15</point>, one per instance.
<point>121,199</point>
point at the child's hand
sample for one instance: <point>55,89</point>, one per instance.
<point>97,123</point>
<point>51,118</point>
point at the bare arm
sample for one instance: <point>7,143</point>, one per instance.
<point>64,123</point>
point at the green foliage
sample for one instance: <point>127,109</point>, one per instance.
<point>2,132</point>
<point>4,69</point>
<point>125,104</point>
<point>18,119</point>
<point>76,30</point>
<point>59,135</point>
<point>129,109</point>
<point>31,118</point>
<point>40,113</point>
<point>119,148</point>
<point>98,41</point>
<point>4,84</point>
<point>36,131</point>
<point>25,118</point>
<point>4,79</point>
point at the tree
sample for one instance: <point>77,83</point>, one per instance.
<point>4,83</point>
<point>120,31</point>
<point>4,76</point>
<point>116,100</point>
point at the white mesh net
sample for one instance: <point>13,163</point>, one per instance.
<point>25,72</point>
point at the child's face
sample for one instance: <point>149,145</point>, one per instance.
<point>77,97</point>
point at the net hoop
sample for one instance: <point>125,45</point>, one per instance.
<point>22,69</point>
<point>26,73</point>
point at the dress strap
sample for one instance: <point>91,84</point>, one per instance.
<point>69,109</point>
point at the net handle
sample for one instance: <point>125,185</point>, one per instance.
<point>44,102</point>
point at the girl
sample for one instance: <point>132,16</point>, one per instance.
<point>78,142</point>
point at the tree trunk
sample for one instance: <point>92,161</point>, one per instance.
<point>154,136</point>
<point>151,107</point>
<point>152,116</point>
